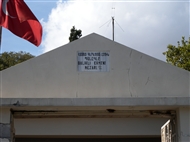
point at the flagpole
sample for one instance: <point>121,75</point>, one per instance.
<point>1,92</point>
<point>1,95</point>
<point>0,37</point>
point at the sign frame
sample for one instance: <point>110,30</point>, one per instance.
<point>93,61</point>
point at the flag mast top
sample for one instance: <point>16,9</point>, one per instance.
<point>113,27</point>
<point>113,10</point>
<point>113,21</point>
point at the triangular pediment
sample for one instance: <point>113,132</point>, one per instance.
<point>94,67</point>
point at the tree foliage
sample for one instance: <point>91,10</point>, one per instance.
<point>75,34</point>
<point>179,55</point>
<point>8,59</point>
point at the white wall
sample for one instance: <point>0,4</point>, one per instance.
<point>89,126</point>
<point>183,124</point>
<point>132,74</point>
<point>5,119</point>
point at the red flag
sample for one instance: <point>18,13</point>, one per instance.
<point>18,18</point>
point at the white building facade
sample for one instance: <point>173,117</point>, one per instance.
<point>94,89</point>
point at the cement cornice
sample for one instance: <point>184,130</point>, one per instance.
<point>46,102</point>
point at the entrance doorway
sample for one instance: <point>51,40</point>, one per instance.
<point>117,127</point>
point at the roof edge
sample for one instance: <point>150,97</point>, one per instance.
<point>43,102</point>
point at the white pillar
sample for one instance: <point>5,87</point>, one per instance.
<point>183,124</point>
<point>4,120</point>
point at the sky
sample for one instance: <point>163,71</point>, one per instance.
<point>147,26</point>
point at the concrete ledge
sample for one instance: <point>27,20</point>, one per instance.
<point>172,101</point>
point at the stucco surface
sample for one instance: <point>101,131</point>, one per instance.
<point>172,102</point>
<point>92,126</point>
<point>131,74</point>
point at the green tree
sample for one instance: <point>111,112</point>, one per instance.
<point>75,34</point>
<point>179,55</point>
<point>8,59</point>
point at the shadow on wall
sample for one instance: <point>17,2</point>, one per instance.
<point>155,139</point>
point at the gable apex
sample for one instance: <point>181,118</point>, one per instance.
<point>130,73</point>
